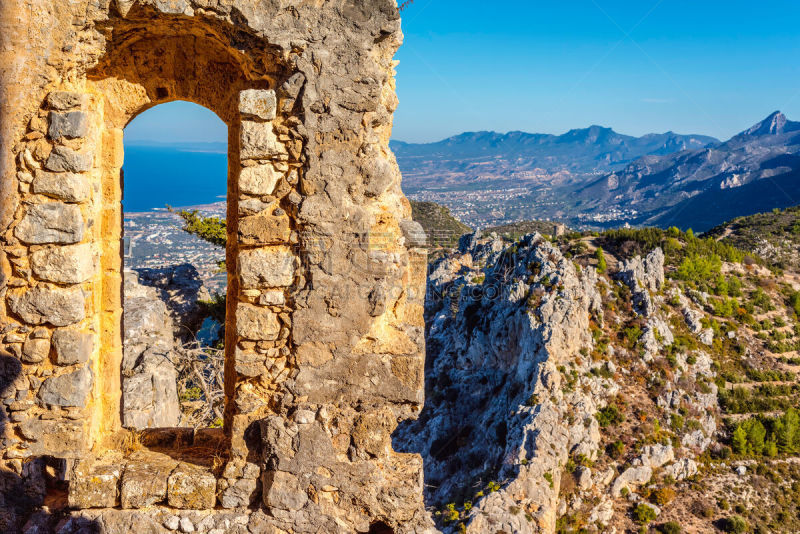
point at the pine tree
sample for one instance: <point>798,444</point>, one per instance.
<point>740,440</point>
<point>601,260</point>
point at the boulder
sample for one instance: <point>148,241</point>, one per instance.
<point>631,478</point>
<point>150,394</point>
<point>683,468</point>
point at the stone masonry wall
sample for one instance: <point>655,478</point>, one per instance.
<point>325,329</point>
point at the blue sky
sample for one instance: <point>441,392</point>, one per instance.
<point>707,67</point>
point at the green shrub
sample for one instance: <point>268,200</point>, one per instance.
<point>671,527</point>
<point>610,415</point>
<point>643,513</point>
<point>735,524</point>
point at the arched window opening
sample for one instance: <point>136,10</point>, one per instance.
<point>174,203</point>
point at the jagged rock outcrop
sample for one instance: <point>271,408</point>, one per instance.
<point>149,378</point>
<point>502,321</point>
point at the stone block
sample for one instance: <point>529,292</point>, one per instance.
<point>56,306</point>
<point>249,364</point>
<point>258,141</point>
<point>64,100</point>
<point>256,323</point>
<point>272,297</point>
<point>242,492</point>
<point>282,491</point>
<point>266,267</point>
<point>35,350</point>
<point>144,481</point>
<point>51,222</point>
<point>264,229</point>
<point>72,346</point>
<point>259,179</point>
<point>70,389</point>
<point>191,488</point>
<point>67,186</point>
<point>69,124</point>
<point>55,437</point>
<point>70,264</point>
<point>63,159</point>
<point>94,485</point>
<point>259,103</point>
<point>113,149</point>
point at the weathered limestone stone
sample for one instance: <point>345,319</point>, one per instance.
<point>144,481</point>
<point>94,485</point>
<point>282,490</point>
<point>259,179</point>
<point>35,350</point>
<point>258,141</point>
<point>64,159</point>
<point>266,267</point>
<point>150,395</point>
<point>72,346</point>
<point>66,186</point>
<point>289,90</point>
<point>248,363</point>
<point>71,264</point>
<point>56,306</point>
<point>71,389</point>
<point>257,323</point>
<point>64,100</point>
<point>258,103</point>
<point>51,222</point>
<point>631,478</point>
<point>272,297</point>
<point>264,229</point>
<point>59,438</point>
<point>241,493</point>
<point>70,124</point>
<point>191,488</point>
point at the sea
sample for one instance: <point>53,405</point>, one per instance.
<point>175,175</point>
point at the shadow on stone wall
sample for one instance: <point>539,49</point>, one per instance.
<point>32,491</point>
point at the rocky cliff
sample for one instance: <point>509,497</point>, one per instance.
<point>560,398</point>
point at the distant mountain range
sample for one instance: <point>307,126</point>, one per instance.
<point>596,177</point>
<point>754,171</point>
<point>467,157</point>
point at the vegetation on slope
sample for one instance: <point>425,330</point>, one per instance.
<point>442,229</point>
<point>775,235</point>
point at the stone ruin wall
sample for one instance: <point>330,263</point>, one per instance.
<point>324,336</point>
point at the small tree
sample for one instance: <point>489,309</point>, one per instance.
<point>601,260</point>
<point>740,440</point>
